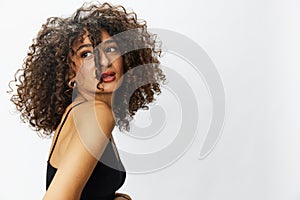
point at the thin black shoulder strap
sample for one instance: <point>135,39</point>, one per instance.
<point>65,118</point>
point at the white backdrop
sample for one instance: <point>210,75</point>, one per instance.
<point>255,46</point>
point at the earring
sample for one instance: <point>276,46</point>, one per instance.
<point>72,84</point>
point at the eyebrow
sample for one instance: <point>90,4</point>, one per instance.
<point>90,45</point>
<point>83,46</point>
<point>109,41</point>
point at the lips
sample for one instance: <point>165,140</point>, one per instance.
<point>108,76</point>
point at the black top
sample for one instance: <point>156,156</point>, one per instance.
<point>107,177</point>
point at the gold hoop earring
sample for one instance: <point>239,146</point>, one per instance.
<point>72,84</point>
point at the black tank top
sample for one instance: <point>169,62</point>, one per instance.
<point>107,177</point>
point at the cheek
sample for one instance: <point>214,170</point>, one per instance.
<point>119,66</point>
<point>77,65</point>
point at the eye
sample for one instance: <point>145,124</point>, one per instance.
<point>112,49</point>
<point>86,54</point>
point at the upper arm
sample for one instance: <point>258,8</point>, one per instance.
<point>93,126</point>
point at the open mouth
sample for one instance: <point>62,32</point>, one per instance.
<point>108,76</point>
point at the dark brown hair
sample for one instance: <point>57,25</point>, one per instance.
<point>43,93</point>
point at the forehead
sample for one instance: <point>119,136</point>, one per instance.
<point>86,40</point>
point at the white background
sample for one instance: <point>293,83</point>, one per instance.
<point>255,46</point>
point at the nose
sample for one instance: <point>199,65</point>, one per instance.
<point>101,62</point>
<point>104,60</point>
<point>101,59</point>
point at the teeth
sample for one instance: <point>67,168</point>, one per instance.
<point>107,75</point>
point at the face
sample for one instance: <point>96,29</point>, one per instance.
<point>110,61</point>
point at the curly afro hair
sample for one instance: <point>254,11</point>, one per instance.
<point>43,92</point>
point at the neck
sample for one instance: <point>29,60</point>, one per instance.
<point>103,97</point>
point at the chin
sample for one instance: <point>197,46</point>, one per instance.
<point>108,89</point>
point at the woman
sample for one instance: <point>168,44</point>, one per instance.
<point>78,81</point>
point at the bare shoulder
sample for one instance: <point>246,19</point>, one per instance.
<point>93,117</point>
<point>87,143</point>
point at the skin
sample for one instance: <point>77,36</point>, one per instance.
<point>111,60</point>
<point>74,147</point>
